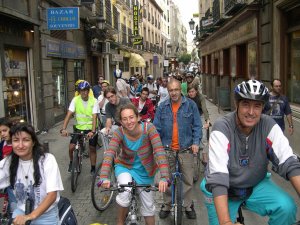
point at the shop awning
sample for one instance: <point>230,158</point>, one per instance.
<point>136,60</point>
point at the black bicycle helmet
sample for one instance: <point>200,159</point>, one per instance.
<point>84,85</point>
<point>252,90</point>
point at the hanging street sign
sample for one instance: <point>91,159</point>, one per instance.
<point>138,40</point>
<point>135,20</point>
<point>63,18</point>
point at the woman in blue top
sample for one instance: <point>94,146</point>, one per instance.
<point>135,161</point>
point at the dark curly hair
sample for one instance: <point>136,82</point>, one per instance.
<point>37,153</point>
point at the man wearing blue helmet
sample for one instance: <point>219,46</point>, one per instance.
<point>85,108</point>
<point>241,145</point>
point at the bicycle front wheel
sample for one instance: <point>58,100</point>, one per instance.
<point>101,200</point>
<point>178,202</point>
<point>75,170</point>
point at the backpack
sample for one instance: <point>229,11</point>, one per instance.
<point>66,212</point>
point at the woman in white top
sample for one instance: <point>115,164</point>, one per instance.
<point>34,177</point>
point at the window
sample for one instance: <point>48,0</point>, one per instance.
<point>241,57</point>
<point>124,66</point>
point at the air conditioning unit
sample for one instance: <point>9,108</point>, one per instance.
<point>106,47</point>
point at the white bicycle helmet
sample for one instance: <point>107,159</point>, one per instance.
<point>252,90</point>
<point>118,73</point>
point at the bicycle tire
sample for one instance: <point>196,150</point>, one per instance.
<point>178,203</point>
<point>75,171</point>
<point>101,200</point>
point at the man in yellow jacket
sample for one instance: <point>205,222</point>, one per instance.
<point>85,108</point>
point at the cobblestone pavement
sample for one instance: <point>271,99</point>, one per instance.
<point>81,199</point>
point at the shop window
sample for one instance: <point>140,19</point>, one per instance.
<point>209,64</point>
<point>203,64</point>
<point>241,57</point>
<point>294,75</point>
<point>252,59</point>
<point>59,89</point>
<point>226,62</point>
<point>124,66</point>
<point>15,86</point>
<point>78,70</point>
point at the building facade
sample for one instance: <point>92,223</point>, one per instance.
<point>241,40</point>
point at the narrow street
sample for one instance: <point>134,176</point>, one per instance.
<point>81,199</point>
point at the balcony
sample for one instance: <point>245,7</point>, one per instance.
<point>232,6</point>
<point>218,14</point>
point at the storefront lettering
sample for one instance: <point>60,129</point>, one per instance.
<point>240,34</point>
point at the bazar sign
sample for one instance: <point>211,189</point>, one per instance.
<point>135,20</point>
<point>63,18</point>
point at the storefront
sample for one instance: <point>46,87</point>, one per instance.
<point>228,55</point>
<point>67,66</point>
<point>17,93</point>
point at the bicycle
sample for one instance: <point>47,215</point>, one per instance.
<point>77,158</point>
<point>133,217</point>
<point>101,200</point>
<point>176,185</point>
<point>200,165</point>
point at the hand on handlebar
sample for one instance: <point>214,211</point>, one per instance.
<point>162,186</point>
<point>64,133</point>
<point>90,135</point>
<point>105,184</point>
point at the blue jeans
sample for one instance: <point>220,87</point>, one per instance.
<point>267,199</point>
<point>48,218</point>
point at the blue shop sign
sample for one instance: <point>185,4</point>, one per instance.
<point>63,18</point>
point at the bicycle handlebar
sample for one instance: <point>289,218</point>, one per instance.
<point>184,150</point>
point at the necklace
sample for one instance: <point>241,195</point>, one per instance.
<point>23,171</point>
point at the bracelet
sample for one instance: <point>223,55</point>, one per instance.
<point>229,221</point>
<point>291,126</point>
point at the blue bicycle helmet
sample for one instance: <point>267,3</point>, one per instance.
<point>84,85</point>
<point>252,90</point>
<point>118,73</point>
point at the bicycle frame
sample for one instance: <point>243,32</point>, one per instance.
<point>176,183</point>
<point>133,216</point>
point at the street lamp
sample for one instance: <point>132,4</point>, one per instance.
<point>192,25</point>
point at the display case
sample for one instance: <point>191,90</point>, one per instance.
<point>15,103</point>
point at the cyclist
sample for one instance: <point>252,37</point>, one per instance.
<point>102,101</point>
<point>144,105</point>
<point>152,88</point>
<point>192,80</point>
<point>34,177</point>
<point>163,90</point>
<point>135,87</point>
<point>198,98</point>
<point>141,154</point>
<point>122,87</point>
<point>241,145</point>
<point>114,102</point>
<point>5,140</point>
<point>178,123</point>
<point>85,109</point>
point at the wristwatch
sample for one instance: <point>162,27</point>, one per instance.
<point>291,126</point>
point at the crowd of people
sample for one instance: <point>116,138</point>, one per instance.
<point>143,118</point>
